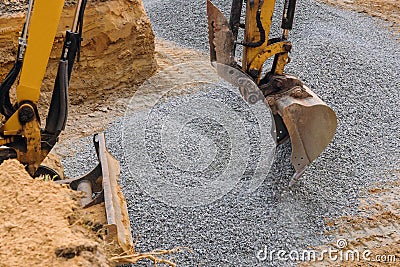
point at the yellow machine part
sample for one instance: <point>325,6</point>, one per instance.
<point>255,57</point>
<point>42,30</point>
<point>251,31</point>
<point>22,131</point>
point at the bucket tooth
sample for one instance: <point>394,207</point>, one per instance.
<point>220,36</point>
<point>101,185</point>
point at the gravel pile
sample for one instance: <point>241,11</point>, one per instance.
<point>354,69</point>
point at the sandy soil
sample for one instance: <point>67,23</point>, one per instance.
<point>41,223</point>
<point>388,10</point>
<point>375,229</point>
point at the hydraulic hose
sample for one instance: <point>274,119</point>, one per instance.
<point>260,29</point>
<point>6,107</point>
<point>58,111</point>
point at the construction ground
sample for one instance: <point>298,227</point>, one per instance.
<point>347,51</point>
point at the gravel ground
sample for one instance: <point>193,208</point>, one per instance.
<point>354,69</point>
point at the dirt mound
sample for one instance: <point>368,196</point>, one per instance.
<point>39,225</point>
<point>117,48</point>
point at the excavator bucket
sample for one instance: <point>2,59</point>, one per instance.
<point>298,112</point>
<point>101,185</point>
<point>310,123</point>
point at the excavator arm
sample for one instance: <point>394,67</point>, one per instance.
<point>21,130</point>
<point>21,136</point>
<point>298,113</point>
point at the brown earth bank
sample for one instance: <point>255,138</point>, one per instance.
<point>117,48</point>
<point>388,10</point>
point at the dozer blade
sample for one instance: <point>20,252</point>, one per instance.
<point>311,124</point>
<point>101,185</point>
<point>220,36</point>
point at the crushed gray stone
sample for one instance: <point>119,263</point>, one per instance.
<point>352,62</point>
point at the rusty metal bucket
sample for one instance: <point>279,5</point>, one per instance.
<point>101,185</point>
<point>310,123</point>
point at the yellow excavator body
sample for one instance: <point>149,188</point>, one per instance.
<point>42,30</point>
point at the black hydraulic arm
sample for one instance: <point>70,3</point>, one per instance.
<point>6,107</point>
<point>58,111</point>
<point>236,13</point>
<point>288,14</point>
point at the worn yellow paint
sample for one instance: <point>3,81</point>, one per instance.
<point>33,155</point>
<point>251,31</point>
<point>5,141</point>
<point>254,58</point>
<point>42,30</point>
<point>281,62</point>
<point>12,126</point>
<point>267,52</point>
